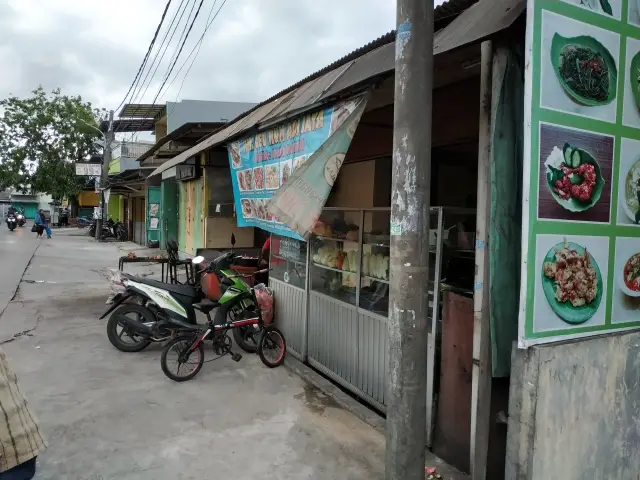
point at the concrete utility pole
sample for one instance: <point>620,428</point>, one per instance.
<point>406,412</point>
<point>108,141</point>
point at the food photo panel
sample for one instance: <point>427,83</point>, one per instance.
<point>575,174</point>
<point>629,183</point>
<point>570,282</point>
<point>579,73</point>
<point>626,281</point>
<point>607,8</point>
<point>631,100</point>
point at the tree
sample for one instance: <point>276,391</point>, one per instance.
<point>41,137</point>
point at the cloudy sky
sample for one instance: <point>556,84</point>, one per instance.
<point>253,49</point>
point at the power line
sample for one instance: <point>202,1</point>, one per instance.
<point>180,11</point>
<point>179,52</point>
<point>146,57</point>
<point>139,85</point>
<point>195,49</point>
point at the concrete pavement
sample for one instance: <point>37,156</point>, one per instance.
<point>110,415</point>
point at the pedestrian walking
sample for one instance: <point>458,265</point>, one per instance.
<point>45,225</point>
<point>20,439</point>
<point>37,225</point>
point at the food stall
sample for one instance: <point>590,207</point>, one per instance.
<point>333,292</point>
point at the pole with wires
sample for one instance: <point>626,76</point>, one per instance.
<point>104,178</point>
<point>410,188</point>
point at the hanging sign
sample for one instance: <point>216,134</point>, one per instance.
<point>88,169</point>
<point>581,206</point>
<point>263,163</point>
<point>299,202</point>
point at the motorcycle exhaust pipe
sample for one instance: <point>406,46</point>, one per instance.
<point>134,326</point>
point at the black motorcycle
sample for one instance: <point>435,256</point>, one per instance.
<point>11,222</point>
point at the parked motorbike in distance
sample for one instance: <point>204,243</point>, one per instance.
<point>110,229</point>
<point>11,222</point>
<point>160,310</point>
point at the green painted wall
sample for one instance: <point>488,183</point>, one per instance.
<point>113,208</point>
<point>30,209</point>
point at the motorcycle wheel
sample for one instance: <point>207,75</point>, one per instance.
<point>171,355</point>
<point>137,342</point>
<point>246,338</point>
<point>272,347</point>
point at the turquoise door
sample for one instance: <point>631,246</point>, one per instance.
<point>30,209</point>
<point>169,207</point>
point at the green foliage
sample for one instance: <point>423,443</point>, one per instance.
<point>41,137</point>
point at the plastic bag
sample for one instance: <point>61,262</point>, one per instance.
<point>115,283</point>
<point>265,299</point>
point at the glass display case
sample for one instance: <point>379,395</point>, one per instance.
<point>288,260</point>
<point>335,254</point>
<point>374,279</point>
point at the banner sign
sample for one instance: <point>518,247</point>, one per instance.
<point>88,169</point>
<point>581,206</point>
<point>299,202</point>
<point>262,163</point>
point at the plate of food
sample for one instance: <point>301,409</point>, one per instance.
<point>631,204</point>
<point>234,151</point>
<point>247,210</point>
<point>629,280</point>
<point>574,178</point>
<point>285,171</point>
<point>585,69</point>
<point>242,181</point>
<point>260,209</point>
<point>272,177</point>
<point>572,282</point>
<point>258,178</point>
<point>248,178</point>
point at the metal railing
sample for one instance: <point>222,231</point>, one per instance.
<point>130,150</point>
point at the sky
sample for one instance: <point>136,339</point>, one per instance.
<point>253,49</point>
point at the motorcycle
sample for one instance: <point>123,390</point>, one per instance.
<point>110,229</point>
<point>188,349</point>
<point>11,222</point>
<point>161,310</point>
<point>21,220</point>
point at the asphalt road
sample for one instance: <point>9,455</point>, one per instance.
<point>16,250</point>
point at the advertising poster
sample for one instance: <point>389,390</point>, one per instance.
<point>263,162</point>
<point>581,206</point>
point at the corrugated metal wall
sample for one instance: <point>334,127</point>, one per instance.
<point>349,346</point>
<point>291,314</point>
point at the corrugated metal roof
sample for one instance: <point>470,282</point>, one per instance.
<point>480,20</point>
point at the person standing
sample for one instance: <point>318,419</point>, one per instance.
<point>20,439</point>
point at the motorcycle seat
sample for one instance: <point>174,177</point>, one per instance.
<point>185,290</point>
<point>206,305</point>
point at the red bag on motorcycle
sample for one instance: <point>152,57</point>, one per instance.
<point>265,299</point>
<point>211,286</point>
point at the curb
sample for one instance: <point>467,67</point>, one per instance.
<point>309,375</point>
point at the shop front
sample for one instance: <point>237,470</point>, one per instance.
<point>331,284</point>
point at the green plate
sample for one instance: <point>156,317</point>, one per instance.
<point>559,43</point>
<point>566,311</point>
<point>573,204</point>
<point>634,74</point>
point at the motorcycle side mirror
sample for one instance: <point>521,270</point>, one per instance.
<point>197,260</point>
<point>233,240</point>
